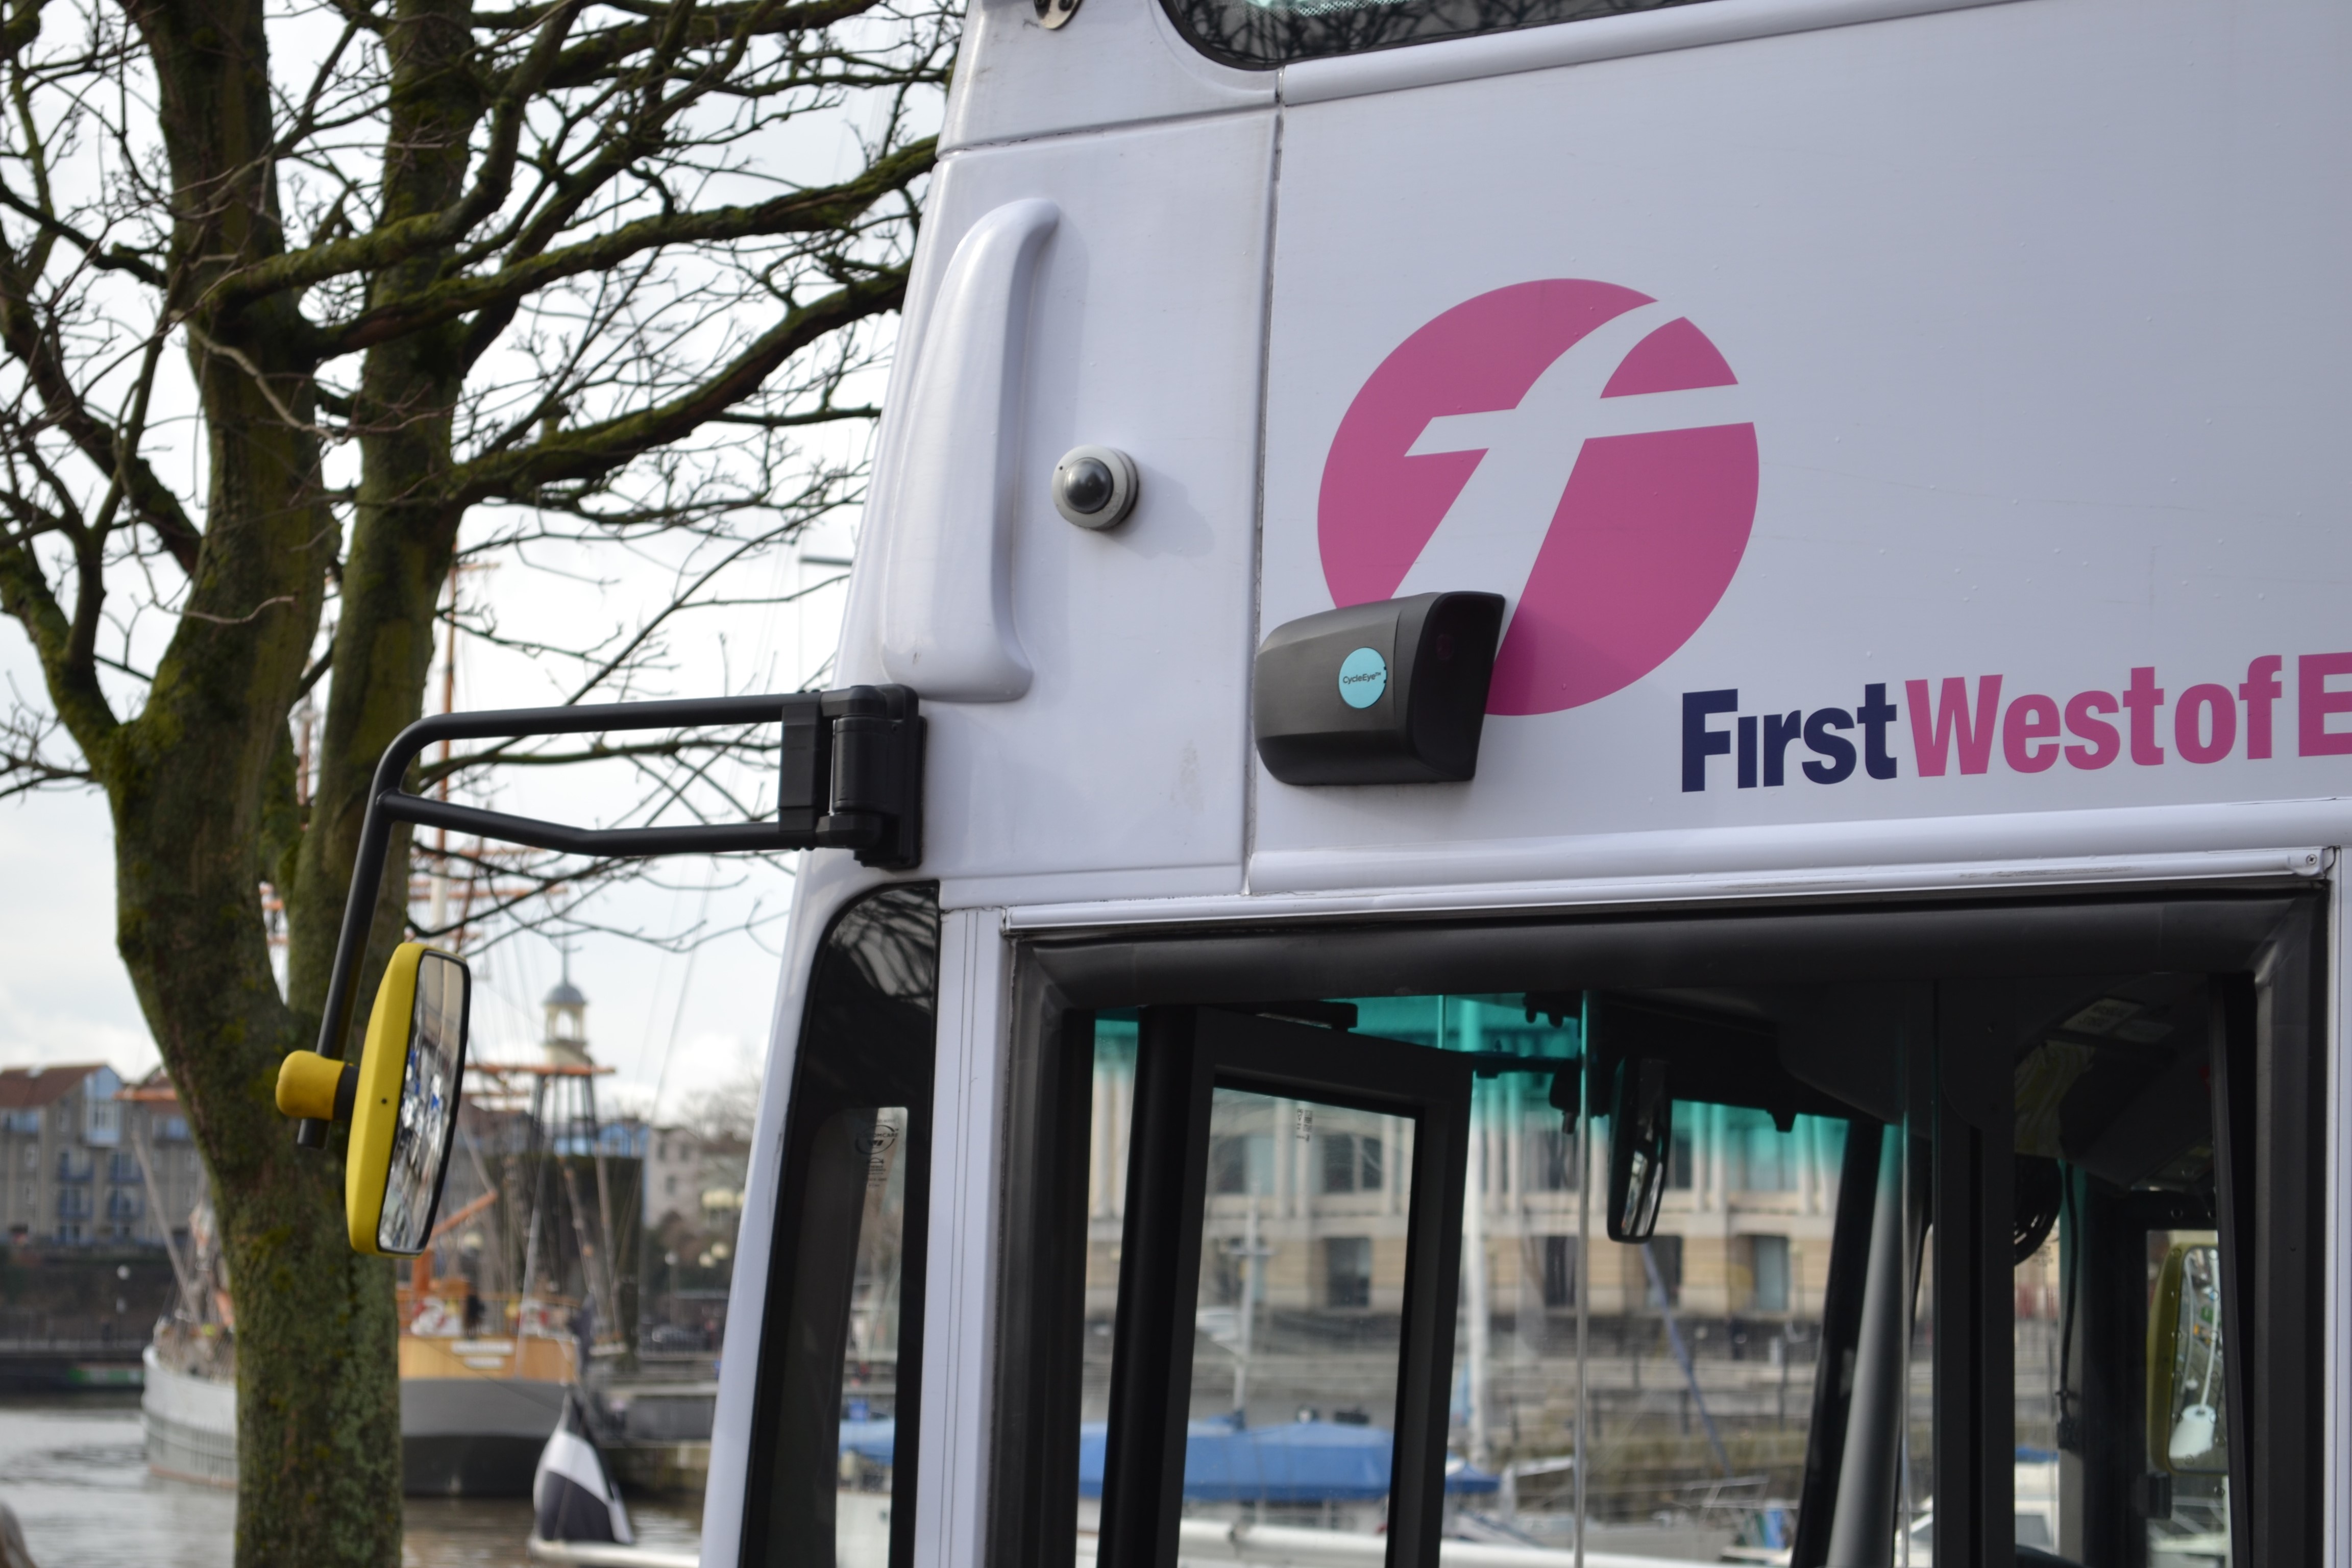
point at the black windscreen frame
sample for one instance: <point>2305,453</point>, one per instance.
<point>1184,1054</point>
<point>868,1040</point>
<point>1841,1305</point>
<point>2264,943</point>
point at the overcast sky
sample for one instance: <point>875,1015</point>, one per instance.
<point>685,1022</point>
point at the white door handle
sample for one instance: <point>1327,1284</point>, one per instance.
<point>946,599</point>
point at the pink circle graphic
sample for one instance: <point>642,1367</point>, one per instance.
<point>1648,524</point>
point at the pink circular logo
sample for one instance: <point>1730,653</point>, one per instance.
<point>1573,446</point>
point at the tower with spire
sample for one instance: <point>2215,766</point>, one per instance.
<point>565,1039</point>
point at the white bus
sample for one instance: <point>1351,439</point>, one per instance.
<point>1855,1028</point>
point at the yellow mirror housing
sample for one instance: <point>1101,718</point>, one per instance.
<point>401,1099</point>
<point>311,1085</point>
<point>2188,1433</point>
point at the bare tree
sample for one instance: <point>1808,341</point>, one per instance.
<point>294,304</point>
<point>723,1113</point>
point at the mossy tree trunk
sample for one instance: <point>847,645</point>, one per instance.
<point>520,157</point>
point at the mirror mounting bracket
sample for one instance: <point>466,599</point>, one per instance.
<point>852,778</point>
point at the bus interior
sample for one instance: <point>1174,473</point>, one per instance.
<point>1985,1232</point>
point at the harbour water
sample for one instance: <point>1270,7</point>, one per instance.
<point>75,1471</point>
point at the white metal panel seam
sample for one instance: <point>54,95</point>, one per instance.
<point>1257,619</point>
<point>1698,887</point>
<point>1584,43</point>
<point>958,1309</point>
<point>1665,853</point>
<point>1141,122</point>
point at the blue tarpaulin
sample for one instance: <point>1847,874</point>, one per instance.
<point>870,1440</point>
<point>1462,1475</point>
<point>1297,1462</point>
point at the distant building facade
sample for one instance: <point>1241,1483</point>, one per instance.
<point>85,1160</point>
<point>693,1182</point>
<point>61,1132</point>
<point>162,1155</point>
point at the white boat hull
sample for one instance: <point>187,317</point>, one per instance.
<point>191,1425</point>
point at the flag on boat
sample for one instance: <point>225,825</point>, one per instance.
<point>572,1496</point>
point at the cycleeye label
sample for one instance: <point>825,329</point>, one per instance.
<point>1363,676</point>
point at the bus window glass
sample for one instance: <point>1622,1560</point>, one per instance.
<point>1702,1343</point>
<point>1700,1381</point>
<point>834,1433</point>
<point>1792,1242</point>
<point>1265,33</point>
<point>1299,1318</point>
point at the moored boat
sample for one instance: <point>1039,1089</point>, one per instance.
<point>188,1406</point>
<point>474,1409</point>
<point>477,1407</point>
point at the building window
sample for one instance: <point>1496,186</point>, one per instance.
<point>1348,1270</point>
<point>1768,1264</point>
<point>1560,1271</point>
<point>1351,1163</point>
<point>1241,1164</point>
<point>1682,1168</point>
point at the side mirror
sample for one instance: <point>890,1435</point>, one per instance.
<point>401,1100</point>
<point>1641,1147</point>
<point>2188,1433</point>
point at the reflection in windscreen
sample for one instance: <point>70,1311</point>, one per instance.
<point>1298,1324</point>
<point>868,1145</point>
<point>428,1100</point>
<point>1274,32</point>
<point>1761,1373</point>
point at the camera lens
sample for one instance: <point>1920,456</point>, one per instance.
<point>1086,485</point>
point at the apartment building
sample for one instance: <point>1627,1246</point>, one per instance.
<point>85,1161</point>
<point>60,1133</point>
<point>162,1158</point>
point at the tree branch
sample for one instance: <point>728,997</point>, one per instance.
<point>393,243</point>
<point>594,450</point>
<point>832,208</point>
<point>68,671</point>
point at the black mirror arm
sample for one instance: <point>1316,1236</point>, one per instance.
<point>850,765</point>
